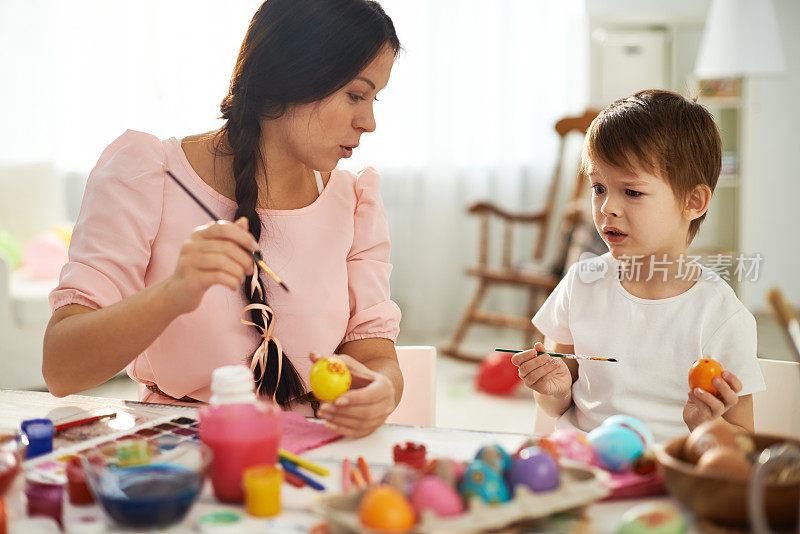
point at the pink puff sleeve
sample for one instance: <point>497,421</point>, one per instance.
<point>372,312</point>
<point>119,218</point>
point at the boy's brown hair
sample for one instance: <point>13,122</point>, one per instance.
<point>662,133</point>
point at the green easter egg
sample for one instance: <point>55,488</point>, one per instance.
<point>10,249</point>
<point>653,519</point>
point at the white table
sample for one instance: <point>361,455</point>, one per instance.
<point>298,504</point>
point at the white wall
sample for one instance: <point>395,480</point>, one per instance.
<point>770,143</point>
<point>771,195</point>
<point>647,11</point>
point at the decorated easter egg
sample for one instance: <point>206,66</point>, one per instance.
<point>495,456</point>
<point>497,375</point>
<point>434,494</point>
<point>402,478</point>
<point>536,469</point>
<point>43,256</point>
<point>574,446</point>
<point>703,372</point>
<point>653,519</point>
<point>447,469</point>
<point>546,444</point>
<point>329,378</point>
<point>713,434</point>
<point>385,508</point>
<point>616,446</point>
<point>484,482</point>
<point>10,249</point>
<point>635,425</point>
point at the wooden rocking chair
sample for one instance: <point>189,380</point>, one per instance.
<point>538,277</point>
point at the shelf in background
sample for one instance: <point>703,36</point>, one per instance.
<point>720,101</point>
<point>727,180</point>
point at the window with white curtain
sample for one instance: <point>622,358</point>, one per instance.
<point>468,113</point>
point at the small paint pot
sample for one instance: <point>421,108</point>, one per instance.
<point>45,496</point>
<point>262,490</point>
<point>77,487</point>
<point>40,436</point>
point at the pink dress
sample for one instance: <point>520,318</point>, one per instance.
<point>333,254</point>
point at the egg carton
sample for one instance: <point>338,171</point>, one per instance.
<point>580,486</point>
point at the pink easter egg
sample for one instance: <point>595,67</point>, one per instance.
<point>434,494</point>
<point>573,445</point>
<point>43,256</point>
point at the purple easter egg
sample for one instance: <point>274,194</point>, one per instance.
<point>536,469</point>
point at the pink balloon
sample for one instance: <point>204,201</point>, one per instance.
<point>44,255</point>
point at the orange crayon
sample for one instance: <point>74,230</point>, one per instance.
<point>362,465</point>
<point>358,479</point>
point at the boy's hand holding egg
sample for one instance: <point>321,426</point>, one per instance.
<point>713,392</point>
<point>702,374</point>
<point>543,373</point>
<point>355,399</point>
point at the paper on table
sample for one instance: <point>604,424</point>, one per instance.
<point>632,485</point>
<point>16,406</point>
<point>300,434</point>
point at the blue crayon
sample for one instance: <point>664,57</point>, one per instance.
<point>291,468</point>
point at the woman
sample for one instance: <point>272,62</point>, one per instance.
<point>153,286</point>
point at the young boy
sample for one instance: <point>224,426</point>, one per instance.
<point>653,160</point>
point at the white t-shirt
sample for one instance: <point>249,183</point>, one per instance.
<point>654,341</point>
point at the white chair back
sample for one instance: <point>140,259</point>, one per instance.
<point>776,408</point>
<point>22,325</point>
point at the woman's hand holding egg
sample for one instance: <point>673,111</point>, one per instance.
<point>362,409</point>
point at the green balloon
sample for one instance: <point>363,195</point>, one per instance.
<point>10,249</point>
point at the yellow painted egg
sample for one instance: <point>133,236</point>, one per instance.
<point>384,508</point>
<point>329,378</point>
<point>64,232</point>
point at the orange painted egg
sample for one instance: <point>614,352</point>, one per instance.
<point>702,372</point>
<point>385,508</point>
